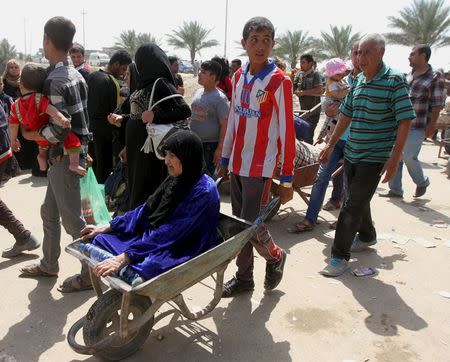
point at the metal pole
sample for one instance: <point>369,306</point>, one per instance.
<point>226,29</point>
<point>83,13</point>
<point>25,39</point>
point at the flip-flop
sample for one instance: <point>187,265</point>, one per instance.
<point>68,285</point>
<point>35,271</point>
<point>301,227</point>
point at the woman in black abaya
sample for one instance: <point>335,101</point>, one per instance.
<point>145,171</point>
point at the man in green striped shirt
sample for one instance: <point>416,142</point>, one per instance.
<point>379,112</point>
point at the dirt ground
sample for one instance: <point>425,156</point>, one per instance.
<point>397,315</point>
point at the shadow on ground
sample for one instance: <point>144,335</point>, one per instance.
<point>43,327</point>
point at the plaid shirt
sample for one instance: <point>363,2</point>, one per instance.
<point>68,92</point>
<point>426,91</point>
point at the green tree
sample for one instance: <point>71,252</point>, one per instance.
<point>7,52</point>
<point>130,41</point>
<point>423,22</point>
<point>291,45</point>
<point>191,36</point>
<point>336,44</point>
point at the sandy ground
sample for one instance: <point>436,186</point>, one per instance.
<point>396,315</point>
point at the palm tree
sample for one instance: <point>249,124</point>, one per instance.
<point>130,41</point>
<point>191,36</point>
<point>336,44</point>
<point>290,45</point>
<point>7,52</point>
<point>423,22</point>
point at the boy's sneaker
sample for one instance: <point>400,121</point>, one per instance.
<point>236,286</point>
<point>358,245</point>
<point>335,268</point>
<point>274,272</point>
<point>30,244</point>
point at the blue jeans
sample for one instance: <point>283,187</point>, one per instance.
<point>208,153</point>
<point>321,184</point>
<point>410,153</point>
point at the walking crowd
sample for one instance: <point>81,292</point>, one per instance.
<point>240,125</point>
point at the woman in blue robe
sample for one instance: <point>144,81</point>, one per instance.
<point>177,223</point>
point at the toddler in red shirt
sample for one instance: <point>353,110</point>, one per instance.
<point>33,110</point>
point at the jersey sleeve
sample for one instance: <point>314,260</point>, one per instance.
<point>283,96</point>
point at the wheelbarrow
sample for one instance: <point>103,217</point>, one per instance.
<point>121,319</point>
<point>303,176</point>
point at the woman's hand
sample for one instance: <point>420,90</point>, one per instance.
<point>111,265</point>
<point>115,119</point>
<point>147,116</point>
<point>91,231</point>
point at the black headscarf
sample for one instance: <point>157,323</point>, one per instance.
<point>187,146</point>
<point>152,63</point>
<point>134,77</point>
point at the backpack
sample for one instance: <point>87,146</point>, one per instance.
<point>116,188</point>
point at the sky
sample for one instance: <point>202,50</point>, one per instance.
<point>104,21</point>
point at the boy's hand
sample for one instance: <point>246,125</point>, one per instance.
<point>286,193</point>
<point>147,116</point>
<point>15,145</point>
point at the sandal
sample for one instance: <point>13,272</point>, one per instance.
<point>35,271</point>
<point>330,206</point>
<point>302,226</point>
<point>74,284</point>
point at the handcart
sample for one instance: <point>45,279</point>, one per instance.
<point>121,319</point>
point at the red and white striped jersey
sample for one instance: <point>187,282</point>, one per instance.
<point>260,124</point>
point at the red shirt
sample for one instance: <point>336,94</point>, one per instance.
<point>226,87</point>
<point>31,113</point>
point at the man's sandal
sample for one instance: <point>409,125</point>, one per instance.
<point>35,271</point>
<point>74,284</point>
<point>301,227</point>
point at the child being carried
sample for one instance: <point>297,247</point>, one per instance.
<point>335,91</point>
<point>33,110</point>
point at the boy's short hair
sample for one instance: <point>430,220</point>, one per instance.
<point>213,67</point>
<point>258,24</point>
<point>77,48</point>
<point>424,49</point>
<point>172,59</point>
<point>120,56</point>
<point>308,57</point>
<point>237,61</point>
<point>60,31</point>
<point>33,77</point>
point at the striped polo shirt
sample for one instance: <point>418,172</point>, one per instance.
<point>376,107</point>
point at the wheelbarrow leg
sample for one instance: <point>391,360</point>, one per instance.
<point>184,309</point>
<point>95,280</point>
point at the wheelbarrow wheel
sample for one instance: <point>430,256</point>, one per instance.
<point>102,320</point>
<point>273,193</point>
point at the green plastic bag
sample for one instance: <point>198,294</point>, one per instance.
<point>93,203</point>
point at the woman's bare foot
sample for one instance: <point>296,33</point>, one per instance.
<point>78,169</point>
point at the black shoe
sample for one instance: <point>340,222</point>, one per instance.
<point>274,272</point>
<point>390,194</point>
<point>236,286</point>
<point>420,191</point>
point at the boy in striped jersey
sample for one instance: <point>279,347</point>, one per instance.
<point>260,128</point>
<point>379,112</point>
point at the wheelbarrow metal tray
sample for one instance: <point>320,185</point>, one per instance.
<point>235,232</point>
